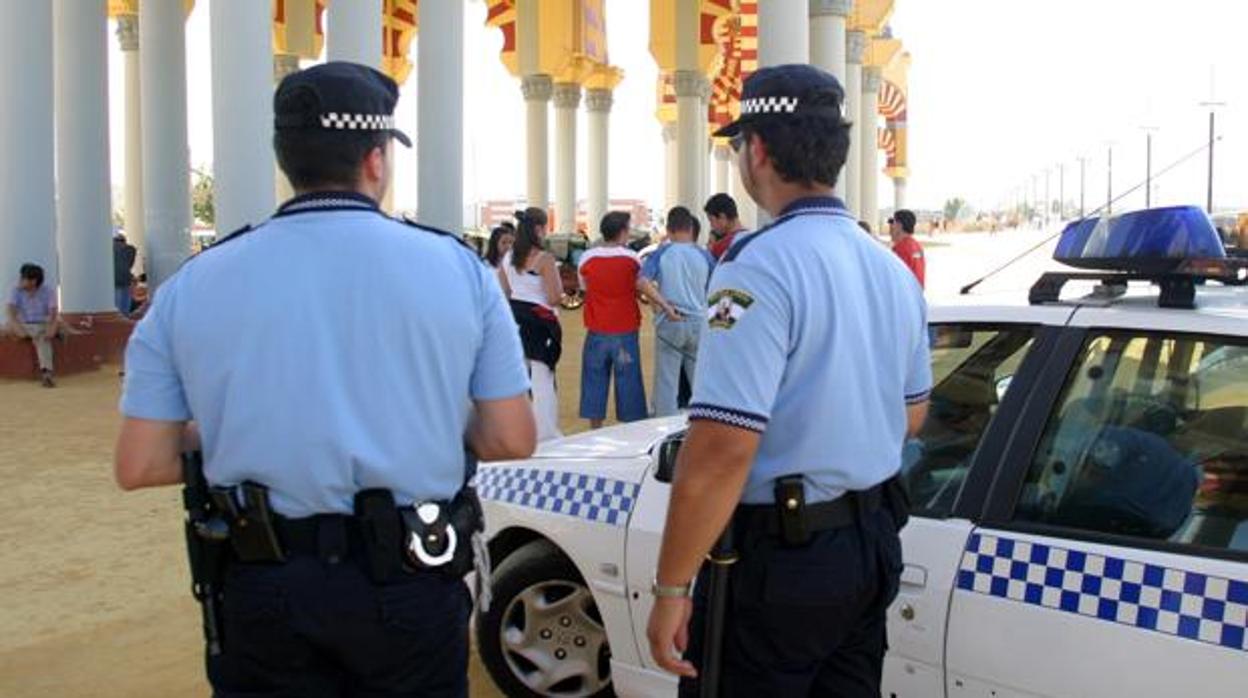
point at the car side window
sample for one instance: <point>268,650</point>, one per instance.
<point>1149,439</point>
<point>972,367</point>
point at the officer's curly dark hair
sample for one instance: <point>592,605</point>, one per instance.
<point>806,148</point>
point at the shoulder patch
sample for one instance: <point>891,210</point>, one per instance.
<point>726,306</point>
<point>436,231</point>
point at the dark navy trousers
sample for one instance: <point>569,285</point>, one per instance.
<point>805,621</point>
<point>314,627</point>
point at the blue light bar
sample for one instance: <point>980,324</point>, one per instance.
<point>1152,241</point>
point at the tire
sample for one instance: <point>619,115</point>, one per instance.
<point>543,615</point>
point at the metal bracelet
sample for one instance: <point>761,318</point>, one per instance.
<point>682,591</point>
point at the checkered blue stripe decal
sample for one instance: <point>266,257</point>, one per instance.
<point>1190,605</point>
<point>589,497</point>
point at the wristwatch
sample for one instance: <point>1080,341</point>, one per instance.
<point>661,591</point>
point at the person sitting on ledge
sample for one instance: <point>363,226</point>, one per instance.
<point>32,314</point>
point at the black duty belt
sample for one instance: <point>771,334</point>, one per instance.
<point>323,535</point>
<point>821,516</point>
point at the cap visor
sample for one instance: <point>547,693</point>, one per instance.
<point>401,137</point>
<point>729,131</point>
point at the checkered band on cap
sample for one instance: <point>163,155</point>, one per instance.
<point>769,105</point>
<point>357,122</point>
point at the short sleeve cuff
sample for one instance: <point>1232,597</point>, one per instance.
<point>726,415</point>
<point>157,413</point>
<point>916,398</point>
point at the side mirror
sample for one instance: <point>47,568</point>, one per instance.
<point>1003,385</point>
<point>668,451</point>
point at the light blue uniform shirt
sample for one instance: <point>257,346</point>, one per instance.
<point>330,350</point>
<point>681,270</point>
<point>817,339</point>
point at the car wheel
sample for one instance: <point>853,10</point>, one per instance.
<point>543,635</point>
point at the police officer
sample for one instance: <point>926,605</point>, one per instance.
<point>813,369</point>
<point>330,352</point>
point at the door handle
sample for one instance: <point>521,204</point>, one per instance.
<point>914,576</point>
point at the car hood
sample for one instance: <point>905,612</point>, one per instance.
<point>622,441</point>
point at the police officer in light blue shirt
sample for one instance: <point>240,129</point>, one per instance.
<point>812,370</point>
<point>328,352</point>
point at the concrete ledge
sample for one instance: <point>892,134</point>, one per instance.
<point>92,339</point>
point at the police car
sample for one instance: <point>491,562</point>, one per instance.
<point>1080,497</point>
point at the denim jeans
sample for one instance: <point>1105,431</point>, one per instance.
<point>121,298</point>
<point>675,345</point>
<point>604,355</point>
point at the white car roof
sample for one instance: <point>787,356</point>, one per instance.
<point>1219,309</point>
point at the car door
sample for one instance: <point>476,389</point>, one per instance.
<point>981,372</point>
<point>1113,555</point>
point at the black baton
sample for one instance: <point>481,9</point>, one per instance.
<point>721,557</point>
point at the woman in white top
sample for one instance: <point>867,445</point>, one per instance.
<point>530,278</point>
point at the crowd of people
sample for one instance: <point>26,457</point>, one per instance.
<point>616,281</point>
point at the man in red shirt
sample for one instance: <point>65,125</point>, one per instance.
<point>721,211</point>
<point>608,274</point>
<point>901,230</point>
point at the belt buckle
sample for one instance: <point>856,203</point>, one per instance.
<point>428,514</point>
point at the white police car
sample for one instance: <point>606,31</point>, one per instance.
<point>1080,494</point>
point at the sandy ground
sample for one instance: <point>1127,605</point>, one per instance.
<point>94,591</point>
<point>94,596</point>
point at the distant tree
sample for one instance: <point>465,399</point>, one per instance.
<point>954,208</point>
<point>202,205</point>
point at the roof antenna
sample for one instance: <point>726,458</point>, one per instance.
<point>971,286</point>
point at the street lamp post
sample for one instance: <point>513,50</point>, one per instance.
<point>1109,198</point>
<point>1148,165</point>
<point>1212,137</point>
<point>1083,171</point>
<point>1061,191</point>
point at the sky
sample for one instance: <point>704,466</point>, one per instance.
<point>1000,92</point>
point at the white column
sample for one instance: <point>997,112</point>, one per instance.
<point>598,102</point>
<point>567,99</point>
<point>899,193</point>
<point>690,136</point>
<point>723,156</point>
<point>283,64</point>
<point>827,47</point>
<point>242,113</point>
<point>354,32</point>
<point>670,156</point>
<point>84,206</point>
<point>440,112</point>
<point>537,92</point>
<point>783,32</point>
<point>166,157</point>
<point>869,118</point>
<point>855,47</point>
<point>827,35</point>
<point>26,141</point>
<point>128,38</point>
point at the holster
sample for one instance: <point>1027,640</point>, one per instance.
<point>898,501</point>
<point>253,526</point>
<point>423,536</point>
<point>207,548</point>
